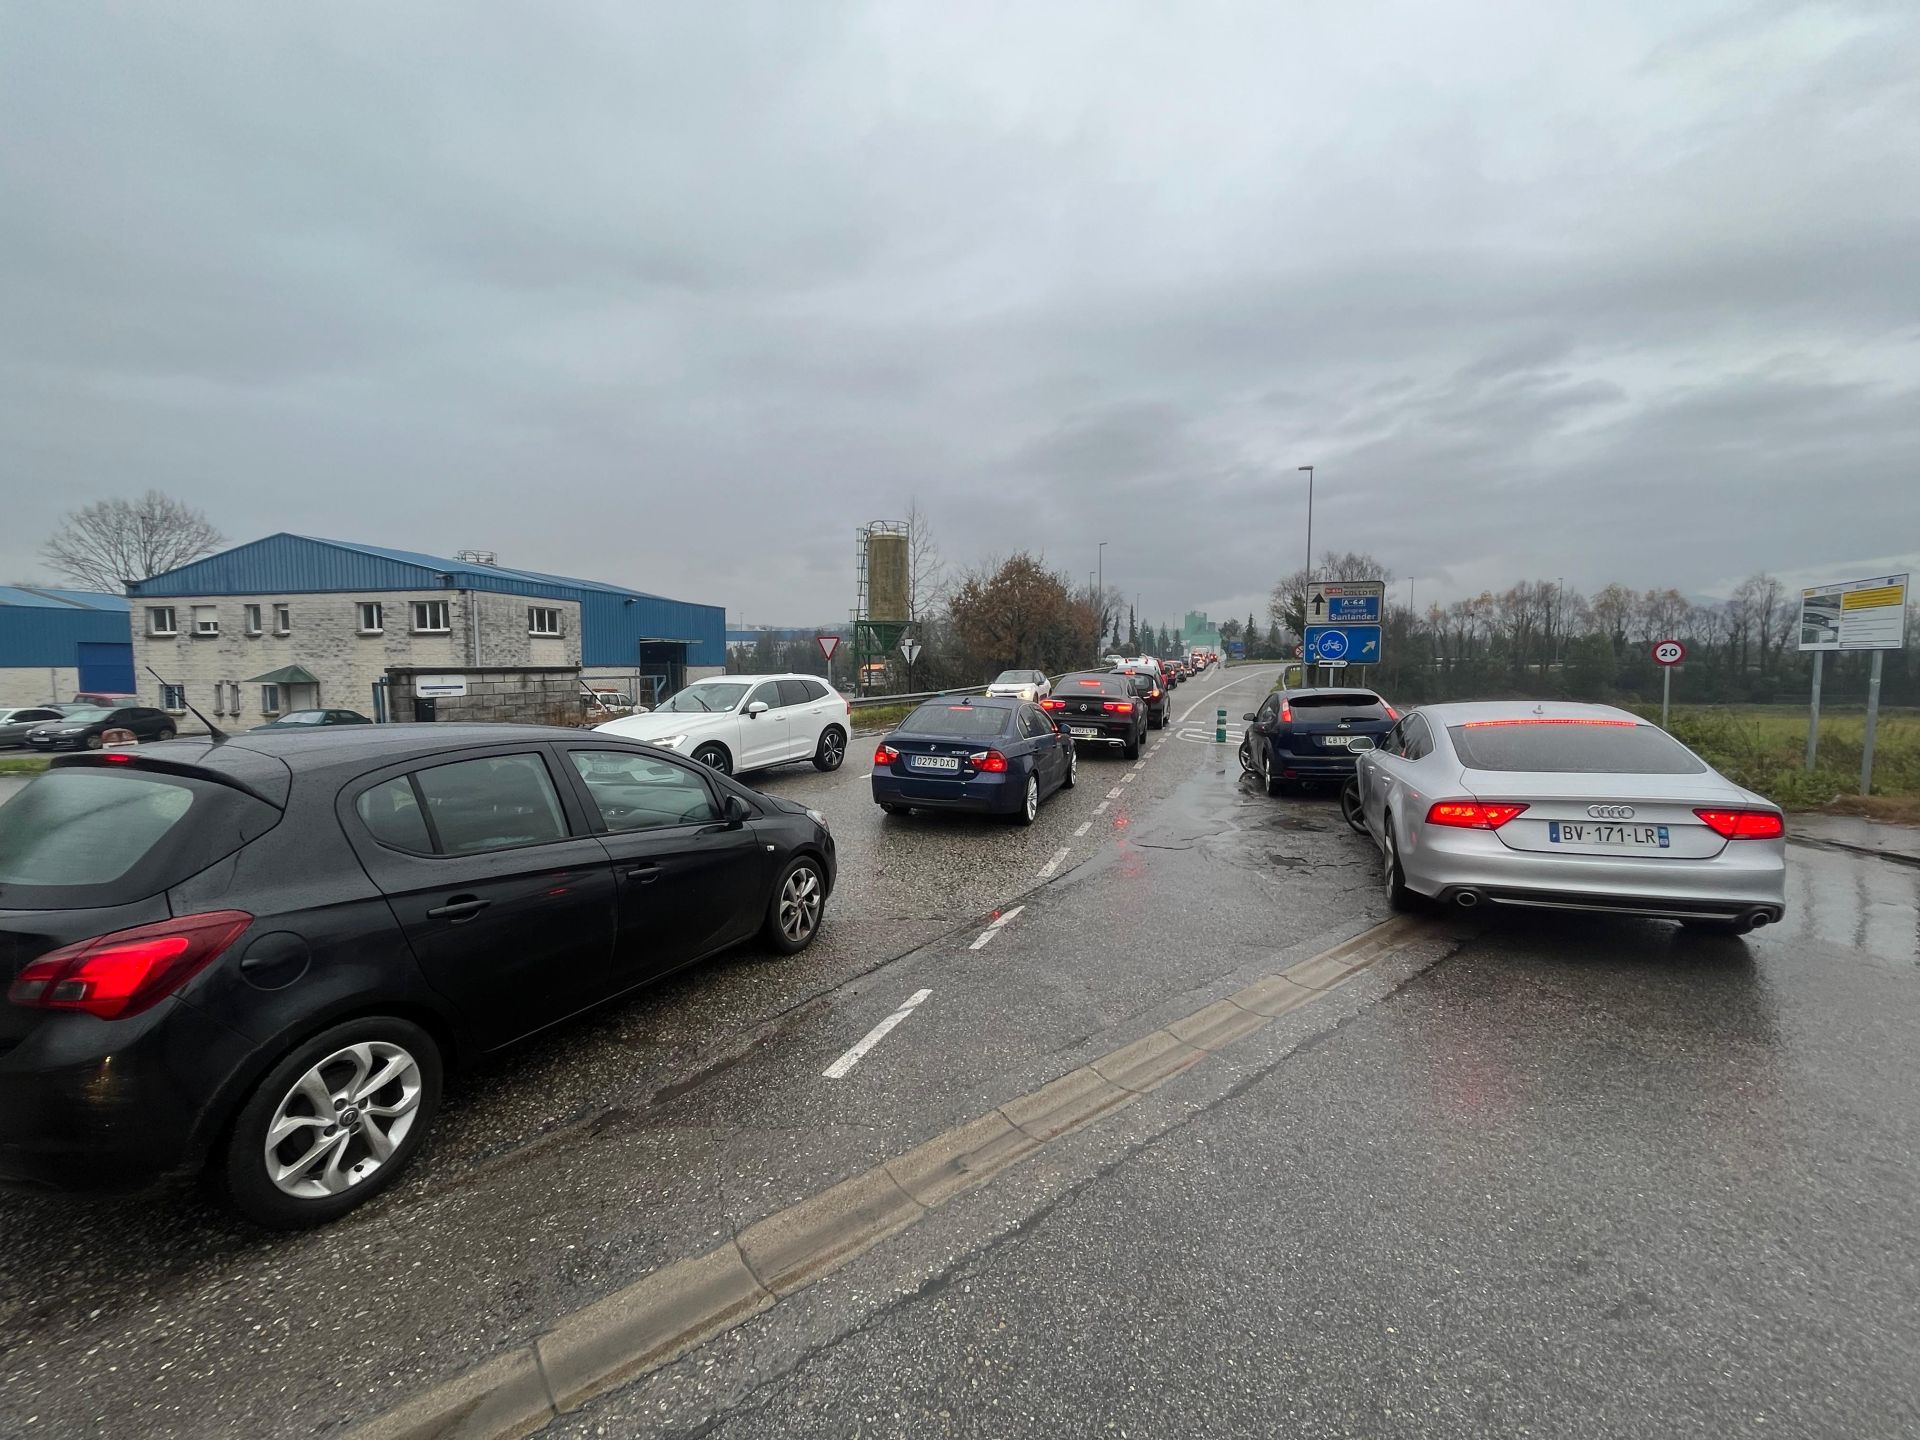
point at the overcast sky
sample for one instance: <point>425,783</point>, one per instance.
<point>679,295</point>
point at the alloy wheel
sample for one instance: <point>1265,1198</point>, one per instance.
<point>799,910</point>
<point>1033,797</point>
<point>833,749</point>
<point>343,1120</point>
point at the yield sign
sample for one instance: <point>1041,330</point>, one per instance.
<point>910,649</point>
<point>828,644</point>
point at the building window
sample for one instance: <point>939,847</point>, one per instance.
<point>173,699</point>
<point>206,620</point>
<point>282,619</point>
<point>160,620</point>
<point>233,697</point>
<point>543,620</point>
<point>253,619</point>
<point>219,697</point>
<point>269,700</point>
<point>430,617</point>
<point>373,617</point>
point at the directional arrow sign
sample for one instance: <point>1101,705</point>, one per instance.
<point>1358,644</point>
<point>910,649</point>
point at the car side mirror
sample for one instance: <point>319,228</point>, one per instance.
<point>1250,717</point>
<point>1360,742</point>
<point>756,709</point>
<point>736,811</point>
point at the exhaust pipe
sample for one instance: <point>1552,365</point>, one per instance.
<point>1467,899</point>
<point>1757,918</point>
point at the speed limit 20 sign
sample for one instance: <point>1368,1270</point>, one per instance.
<point>1669,652</point>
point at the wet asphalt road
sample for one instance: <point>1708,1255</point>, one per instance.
<point>1538,1176</point>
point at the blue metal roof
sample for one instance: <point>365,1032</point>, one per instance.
<point>45,597</point>
<point>614,619</point>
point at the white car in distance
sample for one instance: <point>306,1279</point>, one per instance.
<point>737,723</point>
<point>1031,686</point>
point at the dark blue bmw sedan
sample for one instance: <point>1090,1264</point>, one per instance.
<point>998,755</point>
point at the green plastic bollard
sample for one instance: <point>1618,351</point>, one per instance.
<point>1220,726</point>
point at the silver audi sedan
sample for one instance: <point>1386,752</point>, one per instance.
<point>1567,807</point>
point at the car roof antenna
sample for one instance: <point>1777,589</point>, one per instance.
<point>212,729</point>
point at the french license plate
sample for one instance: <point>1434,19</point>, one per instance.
<point>936,762</point>
<point>1626,837</point>
<point>1086,730</point>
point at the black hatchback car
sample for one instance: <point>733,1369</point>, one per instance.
<point>1300,736</point>
<point>84,728</point>
<point>1099,709</point>
<point>260,955</point>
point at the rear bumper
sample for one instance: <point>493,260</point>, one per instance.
<point>984,794</point>
<point>1748,876</point>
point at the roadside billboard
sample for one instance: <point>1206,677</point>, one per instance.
<point>1855,615</point>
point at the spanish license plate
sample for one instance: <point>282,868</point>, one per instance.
<point>1340,740</point>
<point>1623,837</point>
<point>936,762</point>
<point>1086,730</point>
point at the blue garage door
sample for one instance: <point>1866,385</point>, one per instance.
<point>106,667</point>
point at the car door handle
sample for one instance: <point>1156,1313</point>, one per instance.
<point>461,907</point>
<point>641,874</point>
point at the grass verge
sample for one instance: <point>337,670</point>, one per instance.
<point>22,764</point>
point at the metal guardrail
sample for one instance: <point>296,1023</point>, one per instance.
<point>869,702</point>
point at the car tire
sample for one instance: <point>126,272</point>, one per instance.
<point>1073,767</point>
<point>1246,760</point>
<point>94,742</point>
<point>715,757</point>
<point>328,1062</point>
<point>1400,899</point>
<point>1350,808</point>
<point>1029,810</point>
<point>166,733</point>
<point>831,750</point>
<point>1132,748</point>
<point>797,906</point>
<point>1275,786</point>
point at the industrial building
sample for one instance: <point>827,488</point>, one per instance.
<point>56,643</point>
<point>293,622</point>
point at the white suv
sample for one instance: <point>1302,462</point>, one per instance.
<point>748,722</point>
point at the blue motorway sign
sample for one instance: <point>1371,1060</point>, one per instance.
<point>1353,610</point>
<point>1237,649</point>
<point>1356,644</point>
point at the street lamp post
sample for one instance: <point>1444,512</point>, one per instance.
<point>1309,580</point>
<point>1100,558</point>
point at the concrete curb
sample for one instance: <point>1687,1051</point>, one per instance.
<point>664,1314</point>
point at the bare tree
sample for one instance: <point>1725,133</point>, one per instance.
<point>104,545</point>
<point>927,580</point>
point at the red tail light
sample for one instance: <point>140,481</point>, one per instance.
<point>885,755</point>
<point>1392,714</point>
<point>989,762</point>
<point>1286,713</point>
<point>1118,707</point>
<point>1471,814</point>
<point>1744,824</point>
<point>127,971</point>
<point>1053,704</point>
<point>1153,694</point>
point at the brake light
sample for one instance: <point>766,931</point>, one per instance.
<point>127,971</point>
<point>117,759</point>
<point>989,762</point>
<point>1053,704</point>
<point>1090,684</point>
<point>1118,707</point>
<point>1153,694</point>
<point>1392,714</point>
<point>885,755</point>
<point>1471,814</point>
<point>1286,713</point>
<point>1744,824</point>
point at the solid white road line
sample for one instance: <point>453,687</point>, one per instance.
<point>839,1068</point>
<point>1085,826</point>
<point>994,929</point>
<point>1054,864</point>
<point>1213,692</point>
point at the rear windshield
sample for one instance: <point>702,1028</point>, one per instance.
<point>1094,685</point>
<point>105,836</point>
<point>963,722</point>
<point>1560,748</point>
<point>1352,701</point>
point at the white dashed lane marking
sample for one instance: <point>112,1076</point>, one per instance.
<point>994,929</point>
<point>1086,826</point>
<point>838,1070</point>
<point>1053,864</point>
